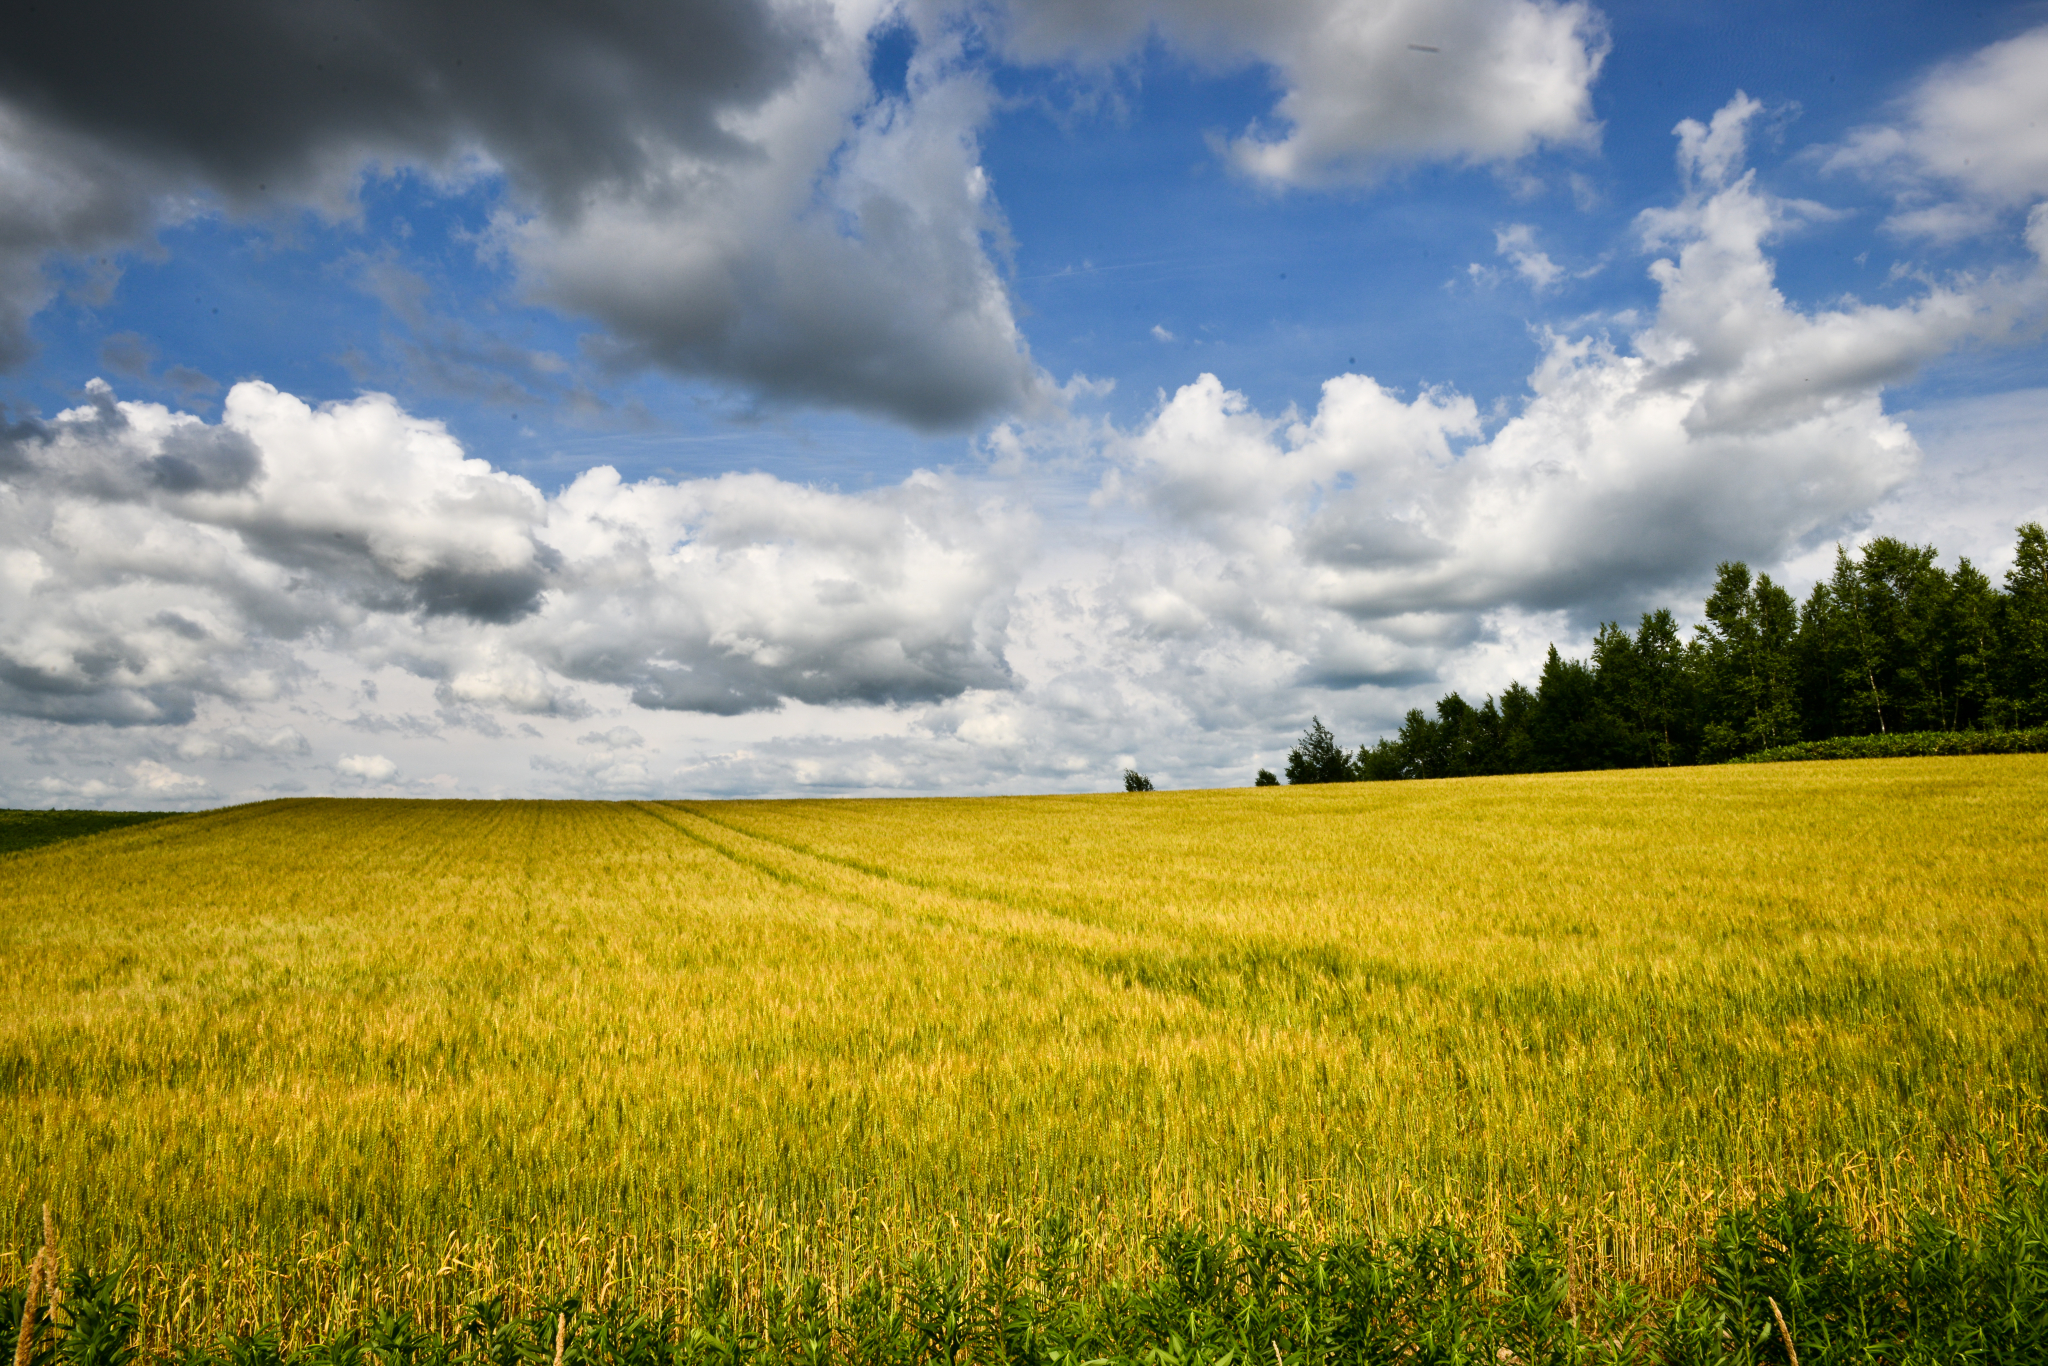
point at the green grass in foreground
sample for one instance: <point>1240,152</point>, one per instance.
<point>1784,1275</point>
<point>30,829</point>
<point>313,1062</point>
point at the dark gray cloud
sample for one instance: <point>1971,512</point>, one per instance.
<point>96,684</point>
<point>60,191</point>
<point>884,670</point>
<point>190,382</point>
<point>104,456</point>
<point>713,183</point>
<point>716,184</point>
<point>493,595</point>
<point>19,439</point>
<point>127,353</point>
<point>133,356</point>
<point>204,460</point>
<point>247,95</point>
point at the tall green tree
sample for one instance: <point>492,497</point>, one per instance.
<point>1874,646</point>
<point>1462,741</point>
<point>1517,709</point>
<point>1861,650</point>
<point>2023,633</point>
<point>1828,673</point>
<point>1969,633</point>
<point>1568,728</point>
<point>1747,664</point>
<point>1317,757</point>
<point>1889,642</point>
<point>1644,685</point>
<point>1907,598</point>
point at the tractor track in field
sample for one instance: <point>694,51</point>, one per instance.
<point>1163,965</point>
<point>1095,914</point>
<point>863,884</point>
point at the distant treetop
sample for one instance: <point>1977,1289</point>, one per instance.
<point>1318,758</point>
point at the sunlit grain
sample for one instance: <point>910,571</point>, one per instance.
<point>311,1056</point>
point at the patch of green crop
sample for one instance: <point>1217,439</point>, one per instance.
<point>31,829</point>
<point>1782,1278</point>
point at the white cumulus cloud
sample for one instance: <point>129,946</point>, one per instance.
<point>1380,534</point>
<point>1517,242</point>
<point>371,768</point>
<point>1369,84</point>
<point>156,560</point>
<point>1970,143</point>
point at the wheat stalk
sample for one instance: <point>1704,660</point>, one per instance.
<point>28,1311</point>
<point>42,1274</point>
<point>53,1286</point>
<point>1783,1331</point>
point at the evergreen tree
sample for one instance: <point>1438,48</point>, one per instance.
<point>1907,598</point>
<point>1616,679</point>
<point>1462,741</point>
<point>1566,727</point>
<point>1856,654</point>
<point>1826,666</point>
<point>1454,745</point>
<point>1317,758</point>
<point>1419,743</point>
<point>1969,634</point>
<point>1474,739</point>
<point>1383,762</point>
<point>1660,700</point>
<point>1748,664</point>
<point>1643,693</point>
<point>1517,708</point>
<point>2023,634</point>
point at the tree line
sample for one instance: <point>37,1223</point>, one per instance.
<point>1890,643</point>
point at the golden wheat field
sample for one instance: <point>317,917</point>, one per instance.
<point>308,1057</point>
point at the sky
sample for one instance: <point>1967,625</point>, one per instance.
<point>890,397</point>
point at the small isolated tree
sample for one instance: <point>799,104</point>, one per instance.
<point>1318,758</point>
<point>1135,781</point>
<point>1266,779</point>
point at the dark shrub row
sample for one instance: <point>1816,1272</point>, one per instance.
<point>1913,744</point>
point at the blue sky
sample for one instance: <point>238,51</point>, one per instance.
<point>897,397</point>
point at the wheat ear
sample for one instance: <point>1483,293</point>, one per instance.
<point>53,1285</point>
<point>1783,1331</point>
<point>561,1336</point>
<point>23,1344</point>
